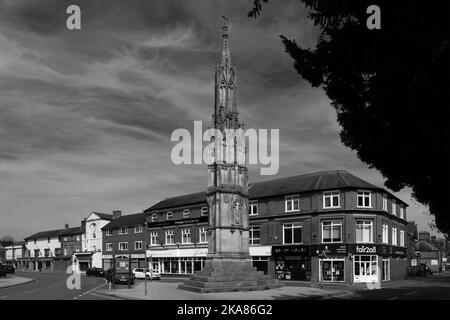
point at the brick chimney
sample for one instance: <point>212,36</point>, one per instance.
<point>66,226</point>
<point>117,213</point>
<point>83,222</point>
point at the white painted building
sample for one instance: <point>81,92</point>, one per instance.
<point>91,243</point>
<point>42,247</point>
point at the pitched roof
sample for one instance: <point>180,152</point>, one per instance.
<point>72,231</point>
<point>318,181</point>
<point>105,216</point>
<point>45,234</point>
<point>126,220</point>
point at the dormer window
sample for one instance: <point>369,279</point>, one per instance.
<point>204,211</point>
<point>186,213</point>
<point>154,217</point>
<point>169,215</point>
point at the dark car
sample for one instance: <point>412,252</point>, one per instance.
<point>123,278</point>
<point>96,272</point>
<point>425,270</point>
<point>7,268</point>
<point>2,272</point>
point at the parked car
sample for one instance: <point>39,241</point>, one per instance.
<point>96,272</point>
<point>2,273</point>
<point>7,268</point>
<point>123,278</point>
<point>425,270</point>
<point>140,273</point>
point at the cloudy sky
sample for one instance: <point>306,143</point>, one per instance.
<point>86,115</point>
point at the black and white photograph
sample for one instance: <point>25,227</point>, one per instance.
<point>224,154</point>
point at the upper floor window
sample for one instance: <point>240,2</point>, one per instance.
<point>109,246</point>
<point>331,200</point>
<point>292,203</point>
<point>48,240</point>
<point>109,232</point>
<point>186,236</point>
<point>138,228</point>
<point>394,236</point>
<point>385,233</point>
<point>123,246</point>
<point>364,200</point>
<point>154,217</point>
<point>255,235</point>
<point>154,238</point>
<point>169,215</point>
<point>252,207</point>
<point>402,212</point>
<point>123,230</point>
<point>47,252</point>
<point>138,245</point>
<point>78,237</point>
<point>292,233</point>
<point>65,239</point>
<point>186,213</point>
<point>394,208</point>
<point>204,211</point>
<point>332,231</point>
<point>202,235</point>
<point>402,238</point>
<point>385,202</point>
<point>170,239</point>
<point>364,231</point>
<point>37,252</point>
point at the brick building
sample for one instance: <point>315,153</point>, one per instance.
<point>328,224</point>
<point>125,237</point>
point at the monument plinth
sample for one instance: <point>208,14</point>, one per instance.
<point>228,265</point>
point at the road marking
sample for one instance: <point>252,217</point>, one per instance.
<point>90,291</point>
<point>410,293</point>
<point>394,298</point>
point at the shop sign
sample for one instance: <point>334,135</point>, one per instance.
<point>177,222</point>
<point>290,250</point>
<point>329,249</point>
<point>366,249</point>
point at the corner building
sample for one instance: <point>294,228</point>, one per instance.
<point>328,226</point>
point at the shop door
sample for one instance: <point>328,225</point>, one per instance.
<point>333,270</point>
<point>386,272</point>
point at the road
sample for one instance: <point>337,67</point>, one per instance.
<point>52,286</point>
<point>436,287</point>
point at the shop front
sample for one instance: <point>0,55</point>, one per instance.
<point>137,260</point>
<point>332,262</point>
<point>261,258</point>
<point>82,261</point>
<point>292,262</point>
<point>177,261</point>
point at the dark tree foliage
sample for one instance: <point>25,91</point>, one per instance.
<point>6,241</point>
<point>389,88</point>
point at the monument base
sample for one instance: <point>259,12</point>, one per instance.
<point>226,275</point>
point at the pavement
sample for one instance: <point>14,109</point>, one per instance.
<point>163,290</point>
<point>12,281</point>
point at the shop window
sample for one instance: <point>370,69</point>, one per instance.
<point>292,203</point>
<point>364,200</point>
<point>292,233</point>
<point>332,270</point>
<point>331,200</point>
<point>253,208</point>
<point>332,231</point>
<point>255,235</point>
<point>365,268</point>
<point>364,231</point>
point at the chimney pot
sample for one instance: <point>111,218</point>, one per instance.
<point>116,214</point>
<point>66,226</point>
